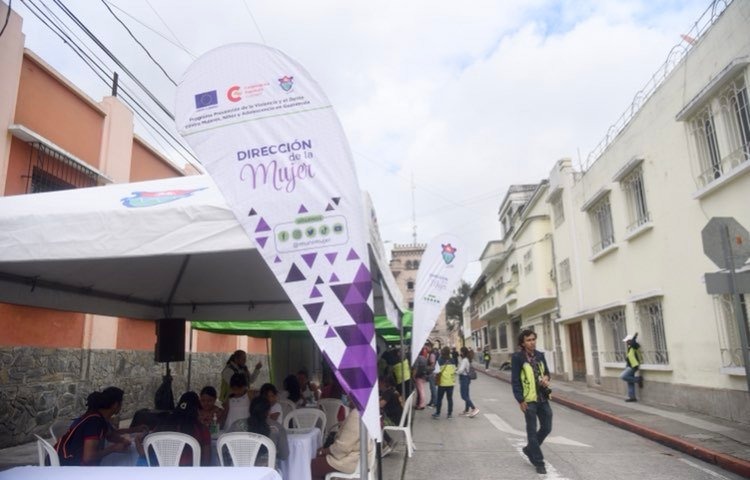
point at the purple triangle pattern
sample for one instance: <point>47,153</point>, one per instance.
<point>331,257</point>
<point>352,255</point>
<point>353,335</point>
<point>294,274</point>
<point>330,333</point>
<point>314,309</point>
<point>309,258</point>
<point>252,212</point>
<point>333,278</point>
<point>277,260</point>
<point>319,281</point>
<point>262,226</point>
<point>329,208</point>
<point>336,200</point>
<point>261,241</point>
<point>315,293</point>
<point>302,209</point>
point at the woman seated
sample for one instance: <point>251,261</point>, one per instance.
<point>269,392</point>
<point>237,406</point>
<point>184,419</point>
<point>84,442</point>
<point>261,423</point>
<point>292,391</point>
<point>343,454</point>
<point>209,411</point>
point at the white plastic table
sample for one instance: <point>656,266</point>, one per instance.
<point>141,473</point>
<point>302,449</point>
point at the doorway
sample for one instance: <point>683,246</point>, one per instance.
<point>578,356</point>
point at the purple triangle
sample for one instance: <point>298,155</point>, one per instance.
<point>262,226</point>
<point>360,312</point>
<point>352,255</point>
<point>315,293</point>
<point>341,291</point>
<point>354,296</point>
<point>333,278</point>
<point>363,275</point>
<point>252,212</point>
<point>319,281</point>
<point>336,200</point>
<point>302,209</point>
<point>331,257</point>
<point>330,333</point>
<point>314,309</point>
<point>329,208</point>
<point>352,335</point>
<point>309,258</point>
<point>294,275</point>
<point>262,241</point>
<point>277,260</point>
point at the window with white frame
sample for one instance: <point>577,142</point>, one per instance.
<point>564,275</point>
<point>600,216</point>
<point>721,131</point>
<point>493,338</point>
<point>485,336</point>
<point>730,344</point>
<point>653,339</point>
<point>614,328</point>
<point>636,198</point>
<point>557,210</point>
<point>528,263</point>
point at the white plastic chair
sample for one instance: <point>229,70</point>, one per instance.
<point>356,474</point>
<point>404,425</point>
<point>168,447</point>
<point>287,407</point>
<point>58,429</point>
<point>306,418</point>
<point>45,450</point>
<point>243,448</point>
<point>331,407</point>
<point>238,426</point>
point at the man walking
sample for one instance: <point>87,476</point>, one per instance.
<point>633,360</point>
<point>530,381</point>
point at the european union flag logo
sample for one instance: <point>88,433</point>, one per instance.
<point>206,99</point>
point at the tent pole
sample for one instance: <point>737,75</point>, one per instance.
<point>190,357</point>
<point>403,354</point>
<point>268,358</point>
<point>363,466</point>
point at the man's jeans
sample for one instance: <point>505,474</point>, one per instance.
<point>464,381</point>
<point>448,392</point>
<point>629,376</point>
<point>534,437</point>
<point>433,390</point>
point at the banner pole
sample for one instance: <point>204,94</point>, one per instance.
<point>363,464</point>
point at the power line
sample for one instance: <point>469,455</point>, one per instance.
<point>139,43</point>
<point>181,45</point>
<point>254,22</point>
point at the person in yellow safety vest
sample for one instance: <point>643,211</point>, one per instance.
<point>402,374</point>
<point>445,379</point>
<point>633,361</point>
<point>530,380</point>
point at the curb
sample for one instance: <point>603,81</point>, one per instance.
<point>723,460</point>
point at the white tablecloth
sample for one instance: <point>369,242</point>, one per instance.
<point>302,449</point>
<point>140,473</point>
<point>129,458</point>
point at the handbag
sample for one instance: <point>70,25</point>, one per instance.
<point>472,372</point>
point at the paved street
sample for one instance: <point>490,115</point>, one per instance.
<point>580,447</point>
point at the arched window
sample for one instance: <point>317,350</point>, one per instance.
<point>410,285</point>
<point>408,264</point>
<point>416,264</point>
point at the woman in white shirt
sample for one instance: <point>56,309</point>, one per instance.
<point>464,366</point>
<point>237,406</point>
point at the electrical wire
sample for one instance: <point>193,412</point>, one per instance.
<point>254,22</point>
<point>139,43</point>
<point>7,17</point>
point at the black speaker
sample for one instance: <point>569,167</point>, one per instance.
<point>170,340</point>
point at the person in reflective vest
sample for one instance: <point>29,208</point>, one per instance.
<point>402,374</point>
<point>633,361</point>
<point>445,379</point>
<point>531,388</point>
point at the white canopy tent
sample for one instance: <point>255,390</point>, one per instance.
<point>173,250</point>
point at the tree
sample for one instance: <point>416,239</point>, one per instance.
<point>454,309</point>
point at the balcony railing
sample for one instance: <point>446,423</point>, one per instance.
<point>650,357</point>
<point>727,164</point>
<point>732,357</point>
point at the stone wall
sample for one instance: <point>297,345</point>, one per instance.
<point>41,385</point>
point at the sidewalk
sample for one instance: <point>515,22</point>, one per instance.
<point>720,442</point>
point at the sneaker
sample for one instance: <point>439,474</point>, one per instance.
<point>525,451</point>
<point>435,416</point>
<point>630,400</point>
<point>540,469</point>
<point>640,381</point>
<point>474,412</point>
<point>450,416</point>
<point>464,414</point>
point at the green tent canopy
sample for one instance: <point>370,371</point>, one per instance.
<point>264,328</point>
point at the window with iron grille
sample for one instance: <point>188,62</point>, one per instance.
<point>636,198</point>
<point>410,285</point>
<point>557,210</point>
<point>493,338</point>
<point>50,170</point>
<point>600,216</point>
<point>564,275</point>
<point>614,328</point>
<point>652,337</point>
<point>730,344</point>
<point>721,132</point>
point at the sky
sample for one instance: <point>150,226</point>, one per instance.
<point>444,105</point>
